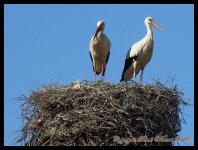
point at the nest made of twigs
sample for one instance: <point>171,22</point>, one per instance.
<point>101,114</point>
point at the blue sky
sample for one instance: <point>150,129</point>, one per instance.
<point>50,44</point>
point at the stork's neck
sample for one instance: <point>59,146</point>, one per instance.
<point>149,34</point>
<point>100,33</point>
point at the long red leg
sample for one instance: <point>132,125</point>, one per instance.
<point>141,76</point>
<point>102,71</point>
<point>95,71</point>
<point>134,73</point>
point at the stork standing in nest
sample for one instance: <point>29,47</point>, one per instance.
<point>139,54</point>
<point>99,50</point>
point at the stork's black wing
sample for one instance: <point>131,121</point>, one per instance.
<point>107,57</point>
<point>127,64</point>
<point>91,59</point>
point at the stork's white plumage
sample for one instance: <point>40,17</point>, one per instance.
<point>99,50</point>
<point>139,54</point>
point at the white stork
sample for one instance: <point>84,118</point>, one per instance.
<point>139,54</point>
<point>99,50</point>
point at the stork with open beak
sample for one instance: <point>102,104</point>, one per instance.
<point>99,50</point>
<point>139,54</point>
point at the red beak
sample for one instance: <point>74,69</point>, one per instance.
<point>96,33</point>
<point>155,25</point>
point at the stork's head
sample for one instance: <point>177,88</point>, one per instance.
<point>150,21</point>
<point>100,27</point>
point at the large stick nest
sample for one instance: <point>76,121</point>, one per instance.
<point>101,114</point>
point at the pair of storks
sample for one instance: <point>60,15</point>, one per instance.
<point>137,57</point>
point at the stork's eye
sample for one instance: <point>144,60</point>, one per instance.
<point>150,19</point>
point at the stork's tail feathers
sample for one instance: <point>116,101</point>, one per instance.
<point>122,79</point>
<point>97,72</point>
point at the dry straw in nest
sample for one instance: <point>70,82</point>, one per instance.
<point>101,114</point>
